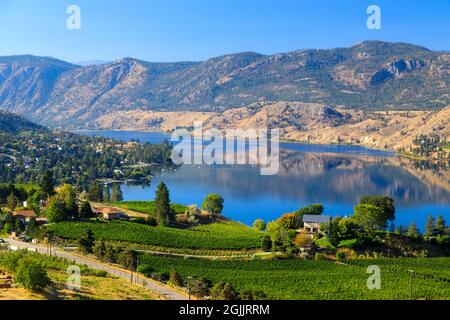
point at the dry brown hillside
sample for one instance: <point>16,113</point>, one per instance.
<point>305,122</point>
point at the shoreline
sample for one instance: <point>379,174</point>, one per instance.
<point>287,141</point>
<point>389,152</point>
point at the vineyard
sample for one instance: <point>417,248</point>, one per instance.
<point>304,280</point>
<point>221,236</point>
<point>147,206</point>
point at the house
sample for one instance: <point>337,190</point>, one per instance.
<point>311,223</point>
<point>110,214</point>
<point>25,215</point>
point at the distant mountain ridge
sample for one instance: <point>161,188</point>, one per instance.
<point>372,75</point>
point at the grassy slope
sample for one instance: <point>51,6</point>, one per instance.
<point>298,279</point>
<point>224,236</point>
<point>94,285</point>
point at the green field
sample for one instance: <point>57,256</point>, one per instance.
<point>221,236</point>
<point>147,206</point>
<point>305,280</point>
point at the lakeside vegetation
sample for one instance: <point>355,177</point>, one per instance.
<point>27,151</point>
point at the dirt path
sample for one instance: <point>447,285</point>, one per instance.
<point>163,290</point>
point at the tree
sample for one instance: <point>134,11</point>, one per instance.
<point>163,211</point>
<point>32,276</point>
<point>47,184</point>
<point>117,195</point>
<point>106,195</point>
<point>259,224</point>
<point>413,232</point>
<point>302,240</point>
<point>347,228</point>
<point>12,202</point>
<point>56,211</point>
<point>95,194</point>
<point>175,279</point>
<point>289,221</point>
<point>224,291</point>
<point>213,204</point>
<point>430,227</point>
<point>109,255</point>
<point>8,227</point>
<point>274,230</point>
<point>128,259</point>
<point>266,244</point>
<point>86,211</point>
<point>67,194</point>
<point>199,287</point>
<point>370,217</point>
<point>386,204</point>
<point>314,210</point>
<point>99,250</point>
<point>440,225</point>
<point>87,242</point>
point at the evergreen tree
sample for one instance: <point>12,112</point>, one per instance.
<point>47,184</point>
<point>99,250</point>
<point>429,228</point>
<point>109,253</point>
<point>117,195</point>
<point>440,225</point>
<point>87,242</point>
<point>106,195</point>
<point>413,232</point>
<point>12,202</point>
<point>86,211</point>
<point>163,210</point>
<point>95,194</point>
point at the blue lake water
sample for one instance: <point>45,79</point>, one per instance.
<point>335,176</point>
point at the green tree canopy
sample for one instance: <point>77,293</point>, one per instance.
<point>56,211</point>
<point>213,204</point>
<point>259,224</point>
<point>370,217</point>
<point>386,204</point>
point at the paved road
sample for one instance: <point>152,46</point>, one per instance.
<point>164,291</point>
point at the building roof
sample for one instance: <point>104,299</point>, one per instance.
<point>316,219</point>
<point>26,213</point>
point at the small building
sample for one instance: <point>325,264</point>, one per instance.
<point>25,215</point>
<point>112,214</point>
<point>311,223</point>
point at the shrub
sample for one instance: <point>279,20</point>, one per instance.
<point>340,256</point>
<point>32,276</point>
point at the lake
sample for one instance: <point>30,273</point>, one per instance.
<point>335,176</point>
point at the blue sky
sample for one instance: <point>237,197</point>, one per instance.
<point>174,30</point>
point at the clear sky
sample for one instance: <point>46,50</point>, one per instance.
<point>174,30</point>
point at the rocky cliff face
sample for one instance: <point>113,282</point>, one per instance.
<point>371,75</point>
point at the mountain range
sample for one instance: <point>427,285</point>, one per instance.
<point>372,75</point>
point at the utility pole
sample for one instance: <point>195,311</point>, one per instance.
<point>189,287</point>
<point>411,276</point>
